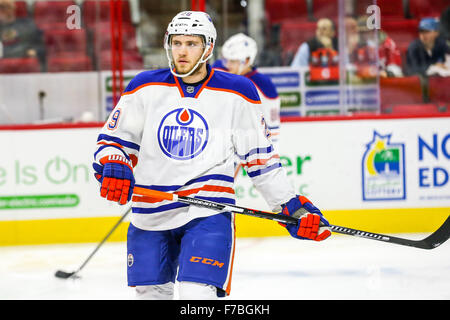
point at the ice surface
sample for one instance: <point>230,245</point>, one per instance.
<point>341,267</point>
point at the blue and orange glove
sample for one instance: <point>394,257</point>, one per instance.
<point>312,225</point>
<point>117,179</point>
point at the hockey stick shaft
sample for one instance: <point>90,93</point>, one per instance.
<point>432,241</point>
<point>63,274</point>
<point>160,195</point>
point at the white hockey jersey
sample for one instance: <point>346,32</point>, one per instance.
<point>183,139</point>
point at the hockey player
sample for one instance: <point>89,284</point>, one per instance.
<point>238,57</point>
<point>178,130</point>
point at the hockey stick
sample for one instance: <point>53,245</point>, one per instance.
<point>432,241</point>
<point>65,275</point>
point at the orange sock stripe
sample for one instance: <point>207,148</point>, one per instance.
<point>228,289</point>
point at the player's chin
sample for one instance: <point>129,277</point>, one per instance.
<point>183,68</point>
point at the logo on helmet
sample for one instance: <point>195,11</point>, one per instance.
<point>183,134</point>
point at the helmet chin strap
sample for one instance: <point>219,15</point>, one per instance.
<point>172,64</point>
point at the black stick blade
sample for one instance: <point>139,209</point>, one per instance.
<point>439,236</point>
<point>63,275</point>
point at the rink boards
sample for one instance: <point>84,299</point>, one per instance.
<point>388,175</point>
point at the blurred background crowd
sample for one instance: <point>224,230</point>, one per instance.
<point>407,46</point>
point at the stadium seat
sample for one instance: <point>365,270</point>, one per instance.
<point>427,8</point>
<point>49,14</point>
<point>21,9</point>
<point>402,31</point>
<point>389,9</point>
<point>65,41</point>
<point>400,91</point>
<point>102,37</point>
<point>132,60</point>
<point>69,63</point>
<point>439,90</point>
<point>95,11</point>
<point>325,9</point>
<point>293,34</point>
<point>415,109</point>
<point>279,10</point>
<point>19,65</point>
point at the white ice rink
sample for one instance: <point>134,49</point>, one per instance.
<point>341,267</point>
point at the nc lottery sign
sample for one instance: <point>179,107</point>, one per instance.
<point>383,169</point>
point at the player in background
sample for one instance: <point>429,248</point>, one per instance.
<point>179,130</point>
<point>238,57</point>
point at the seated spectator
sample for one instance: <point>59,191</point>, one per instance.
<point>427,54</point>
<point>20,37</point>
<point>389,57</point>
<point>325,38</point>
<point>445,24</point>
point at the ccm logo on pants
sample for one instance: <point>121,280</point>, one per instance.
<point>207,261</point>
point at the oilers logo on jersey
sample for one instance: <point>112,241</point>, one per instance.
<point>183,134</point>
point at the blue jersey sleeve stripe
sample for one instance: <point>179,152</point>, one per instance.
<point>109,146</point>
<point>220,177</point>
<point>168,188</point>
<point>269,149</point>
<point>124,143</point>
<point>264,170</point>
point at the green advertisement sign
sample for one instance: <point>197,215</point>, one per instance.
<point>39,201</point>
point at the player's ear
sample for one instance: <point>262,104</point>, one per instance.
<point>210,50</point>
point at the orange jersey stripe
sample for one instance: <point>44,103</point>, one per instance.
<point>235,92</point>
<point>204,83</point>
<point>177,83</point>
<point>259,162</point>
<point>149,84</point>
<point>111,144</point>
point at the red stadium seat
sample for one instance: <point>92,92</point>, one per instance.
<point>102,37</point>
<point>65,40</point>
<point>69,63</point>
<point>48,14</point>
<point>402,31</point>
<point>293,34</point>
<point>95,11</point>
<point>400,91</point>
<point>325,9</point>
<point>21,9</point>
<point>132,60</point>
<point>413,109</point>
<point>19,65</point>
<point>427,8</point>
<point>279,10</point>
<point>439,91</point>
<point>388,8</point>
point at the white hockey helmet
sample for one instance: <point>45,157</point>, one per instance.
<point>240,47</point>
<point>195,23</point>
